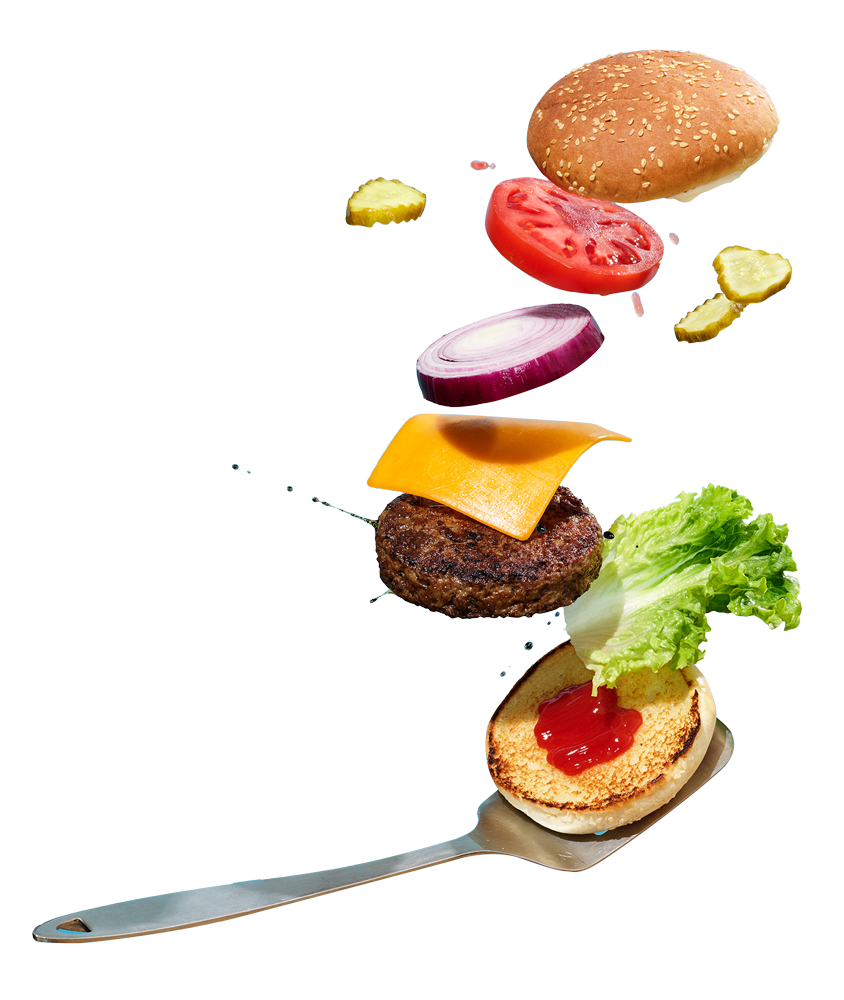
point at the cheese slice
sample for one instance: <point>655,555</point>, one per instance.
<point>502,471</point>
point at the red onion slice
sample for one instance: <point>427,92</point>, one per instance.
<point>507,354</point>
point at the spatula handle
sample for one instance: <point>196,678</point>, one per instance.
<point>175,910</point>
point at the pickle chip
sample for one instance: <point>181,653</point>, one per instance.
<point>751,275</point>
<point>707,320</point>
<point>384,201</point>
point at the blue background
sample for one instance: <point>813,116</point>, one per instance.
<point>215,699</point>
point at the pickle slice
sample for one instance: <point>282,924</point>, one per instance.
<point>384,201</point>
<point>751,275</point>
<point>707,320</point>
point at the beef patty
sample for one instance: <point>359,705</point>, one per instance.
<point>446,561</point>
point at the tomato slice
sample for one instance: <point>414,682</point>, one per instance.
<point>578,244</point>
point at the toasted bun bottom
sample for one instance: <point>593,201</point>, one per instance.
<point>678,720</point>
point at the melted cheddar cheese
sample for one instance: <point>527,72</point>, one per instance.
<point>502,471</point>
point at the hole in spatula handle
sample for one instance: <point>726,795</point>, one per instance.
<point>75,926</point>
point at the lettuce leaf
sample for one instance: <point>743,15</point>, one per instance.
<point>665,569</point>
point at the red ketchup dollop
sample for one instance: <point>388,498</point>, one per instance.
<point>580,731</point>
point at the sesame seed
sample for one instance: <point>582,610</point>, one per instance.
<point>559,174</point>
<point>636,170</point>
<point>646,184</point>
<point>717,149</point>
<point>741,145</point>
<point>697,159</point>
<point>659,162</point>
<point>684,144</point>
<point>732,131</point>
<point>643,161</point>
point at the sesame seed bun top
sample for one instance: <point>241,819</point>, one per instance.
<point>651,124</point>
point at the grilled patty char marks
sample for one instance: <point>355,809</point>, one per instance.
<point>440,559</point>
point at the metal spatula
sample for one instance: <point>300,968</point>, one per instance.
<point>501,829</point>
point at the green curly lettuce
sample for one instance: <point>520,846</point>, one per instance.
<point>665,569</point>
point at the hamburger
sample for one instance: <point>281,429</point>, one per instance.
<point>443,560</point>
<point>677,715</point>
<point>612,724</point>
<point>650,124</point>
<point>483,528</point>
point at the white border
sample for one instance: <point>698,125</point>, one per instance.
<point>313,970</point>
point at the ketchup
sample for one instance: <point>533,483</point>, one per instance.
<point>580,731</point>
